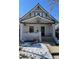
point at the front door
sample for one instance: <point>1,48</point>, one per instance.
<point>42,31</point>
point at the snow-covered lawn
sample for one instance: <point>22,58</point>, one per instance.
<point>34,51</point>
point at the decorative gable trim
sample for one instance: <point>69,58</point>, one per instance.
<point>37,19</point>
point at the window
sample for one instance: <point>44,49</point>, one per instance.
<point>36,13</point>
<point>30,14</point>
<point>31,29</point>
<point>40,14</point>
<point>33,14</point>
<point>44,15</point>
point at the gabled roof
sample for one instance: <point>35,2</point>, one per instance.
<point>52,18</point>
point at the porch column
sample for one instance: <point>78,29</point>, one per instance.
<point>21,30</point>
<point>39,31</point>
<point>53,34</point>
<point>40,37</point>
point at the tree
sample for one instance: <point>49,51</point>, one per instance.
<point>52,3</point>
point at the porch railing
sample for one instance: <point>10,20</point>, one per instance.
<point>31,36</point>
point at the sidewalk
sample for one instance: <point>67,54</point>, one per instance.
<point>54,50</point>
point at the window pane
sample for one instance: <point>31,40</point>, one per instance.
<point>31,29</point>
<point>32,14</point>
<point>43,14</point>
<point>36,13</point>
<point>40,14</point>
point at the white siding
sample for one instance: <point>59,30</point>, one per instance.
<point>48,29</point>
<point>53,25</point>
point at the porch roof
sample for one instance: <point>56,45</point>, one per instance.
<point>38,19</point>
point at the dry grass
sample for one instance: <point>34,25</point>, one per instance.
<point>53,49</point>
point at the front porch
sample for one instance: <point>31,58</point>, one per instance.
<point>27,36</point>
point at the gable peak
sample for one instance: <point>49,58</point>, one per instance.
<point>38,4</point>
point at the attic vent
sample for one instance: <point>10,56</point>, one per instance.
<point>38,7</point>
<point>44,15</point>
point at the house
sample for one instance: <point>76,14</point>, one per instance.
<point>37,21</point>
<point>57,30</point>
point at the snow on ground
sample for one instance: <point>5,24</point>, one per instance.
<point>34,51</point>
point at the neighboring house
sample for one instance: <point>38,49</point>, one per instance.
<point>56,39</point>
<point>37,20</point>
<point>57,30</point>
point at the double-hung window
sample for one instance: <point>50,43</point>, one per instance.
<point>31,29</point>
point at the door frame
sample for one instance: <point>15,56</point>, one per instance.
<point>42,30</point>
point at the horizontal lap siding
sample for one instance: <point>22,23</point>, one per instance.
<point>38,26</point>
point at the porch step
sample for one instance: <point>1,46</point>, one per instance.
<point>47,39</point>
